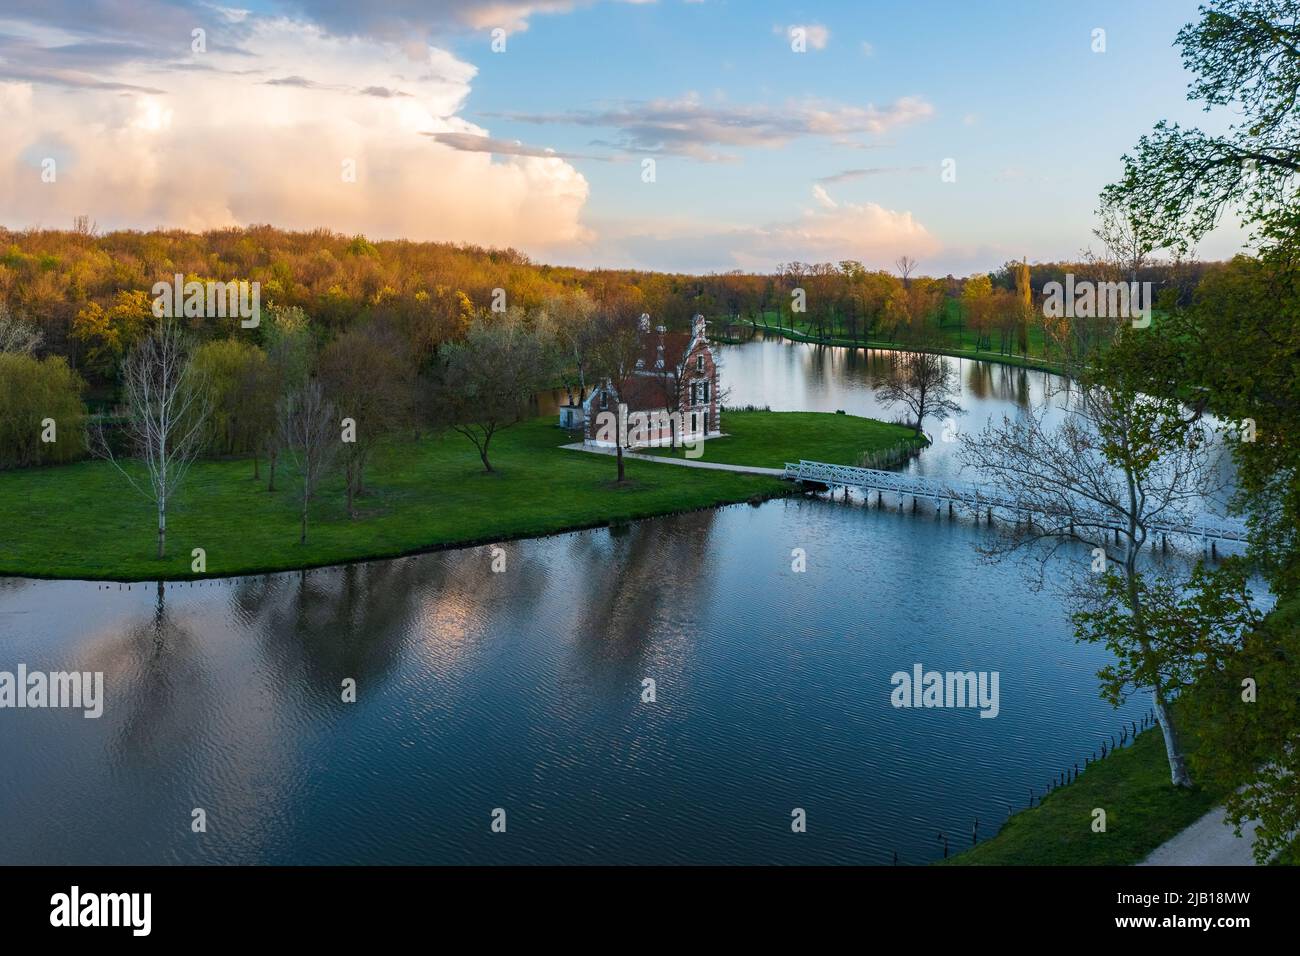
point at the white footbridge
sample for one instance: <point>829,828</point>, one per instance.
<point>1207,528</point>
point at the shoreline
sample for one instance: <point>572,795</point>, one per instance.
<point>1012,361</point>
<point>753,500</point>
<point>77,521</point>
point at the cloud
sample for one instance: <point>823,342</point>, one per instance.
<point>477,143</point>
<point>867,232</point>
<point>401,19</point>
<point>686,126</point>
<point>849,174</point>
<point>214,148</point>
<point>823,197</point>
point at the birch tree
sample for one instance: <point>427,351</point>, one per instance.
<point>166,418</point>
<point>1117,465</point>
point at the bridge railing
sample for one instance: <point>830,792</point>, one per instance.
<point>1204,525</point>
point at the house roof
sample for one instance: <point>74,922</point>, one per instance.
<point>676,347</point>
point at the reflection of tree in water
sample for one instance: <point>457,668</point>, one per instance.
<point>317,627</point>
<point>979,379</point>
<point>641,597</point>
<point>154,671</point>
<point>355,620</point>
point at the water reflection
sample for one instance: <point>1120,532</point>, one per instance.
<point>523,689</point>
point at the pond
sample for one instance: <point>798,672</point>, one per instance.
<point>524,691</point>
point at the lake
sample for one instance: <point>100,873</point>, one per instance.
<point>523,691</point>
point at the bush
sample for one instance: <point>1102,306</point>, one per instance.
<point>32,391</point>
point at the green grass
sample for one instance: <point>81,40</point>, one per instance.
<point>770,439</point>
<point>954,342</point>
<point>84,521</point>
<point>1143,810</point>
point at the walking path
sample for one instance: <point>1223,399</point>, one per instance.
<point>714,465</point>
<point>1207,842</point>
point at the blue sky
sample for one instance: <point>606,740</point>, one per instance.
<point>762,154</point>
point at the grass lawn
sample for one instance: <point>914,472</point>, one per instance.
<point>770,439</point>
<point>84,521</point>
<point>1142,811</point>
<point>951,343</point>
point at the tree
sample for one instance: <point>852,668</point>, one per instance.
<point>16,336</point>
<point>1244,56</point>
<point>977,302</point>
<point>487,381</point>
<point>569,322</point>
<point>1024,306</point>
<point>905,265</point>
<point>109,334</point>
<point>1245,706</point>
<point>290,350</point>
<point>240,395</point>
<point>923,383</point>
<point>615,357</point>
<point>1127,236</point>
<point>309,435</point>
<point>1116,465</point>
<point>1231,351</point>
<point>369,375</point>
<point>39,398</point>
<point>167,410</point>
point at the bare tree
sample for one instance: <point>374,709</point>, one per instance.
<point>309,436</point>
<point>1116,466</point>
<point>615,359</point>
<point>167,413</point>
<point>16,336</point>
<point>905,265</point>
<point>921,382</point>
<point>1129,238</point>
<point>369,374</point>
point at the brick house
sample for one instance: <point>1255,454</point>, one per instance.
<point>672,396</point>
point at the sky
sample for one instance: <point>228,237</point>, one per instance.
<point>684,135</point>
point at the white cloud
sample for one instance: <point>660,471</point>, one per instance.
<point>226,145</point>
<point>867,232</point>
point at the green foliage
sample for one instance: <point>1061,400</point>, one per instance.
<point>1169,632</point>
<point>31,392</point>
<point>1244,56</point>
<point>1249,704</point>
<point>241,394</point>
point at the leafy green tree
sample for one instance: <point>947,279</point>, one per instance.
<point>39,398</point>
<point>486,382</point>
<point>1244,56</point>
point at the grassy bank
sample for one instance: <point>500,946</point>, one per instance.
<point>1142,812</point>
<point>770,439</point>
<point>83,520</point>
<point>951,344</point>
